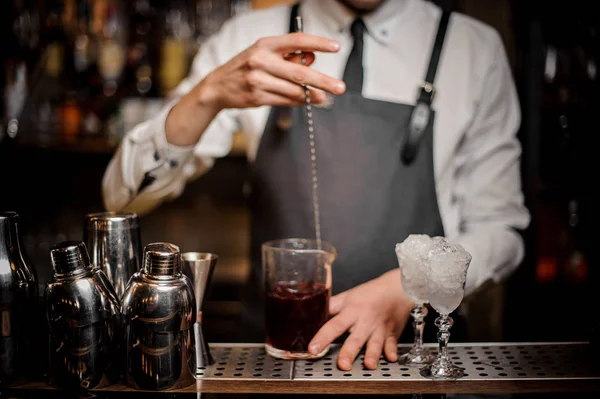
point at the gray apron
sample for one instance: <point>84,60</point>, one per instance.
<point>370,197</point>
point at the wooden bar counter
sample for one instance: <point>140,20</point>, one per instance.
<point>490,368</point>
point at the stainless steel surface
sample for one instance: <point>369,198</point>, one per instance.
<point>83,317</point>
<point>18,301</point>
<point>159,311</point>
<point>570,368</point>
<point>198,267</point>
<point>480,362</point>
<point>114,243</point>
<point>246,362</point>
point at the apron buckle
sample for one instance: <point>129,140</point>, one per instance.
<point>427,92</point>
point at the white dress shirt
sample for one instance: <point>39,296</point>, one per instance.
<point>476,152</point>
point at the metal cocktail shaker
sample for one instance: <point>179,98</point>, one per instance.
<point>198,267</point>
<point>18,304</point>
<point>159,311</point>
<point>115,246</point>
<point>83,316</point>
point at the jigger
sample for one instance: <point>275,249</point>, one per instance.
<point>198,267</point>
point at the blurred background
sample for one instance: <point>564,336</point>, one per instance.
<point>78,74</point>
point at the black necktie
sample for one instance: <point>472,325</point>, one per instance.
<point>353,74</point>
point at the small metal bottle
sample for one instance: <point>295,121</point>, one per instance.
<point>83,316</point>
<point>159,312</point>
<point>18,304</point>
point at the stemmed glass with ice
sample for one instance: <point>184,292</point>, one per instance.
<point>412,259</point>
<point>447,269</point>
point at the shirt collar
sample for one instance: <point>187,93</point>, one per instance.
<point>380,23</point>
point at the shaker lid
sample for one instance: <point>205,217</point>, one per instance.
<point>162,259</point>
<point>69,257</point>
<point>106,221</point>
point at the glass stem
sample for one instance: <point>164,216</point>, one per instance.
<point>443,323</point>
<point>418,314</point>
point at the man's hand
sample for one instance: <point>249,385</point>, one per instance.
<point>269,72</point>
<point>374,313</point>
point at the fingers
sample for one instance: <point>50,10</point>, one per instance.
<point>330,331</point>
<point>309,58</point>
<point>299,41</point>
<point>295,73</point>
<point>375,347</point>
<point>391,348</point>
<point>317,96</point>
<point>354,343</point>
<point>266,98</point>
<point>263,81</point>
<point>382,339</point>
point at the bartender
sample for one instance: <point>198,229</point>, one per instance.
<point>415,122</point>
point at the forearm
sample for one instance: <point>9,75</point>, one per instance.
<point>191,116</point>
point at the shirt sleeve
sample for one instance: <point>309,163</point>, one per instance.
<point>146,170</point>
<point>487,188</point>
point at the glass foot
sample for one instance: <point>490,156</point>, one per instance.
<point>442,371</point>
<point>416,357</point>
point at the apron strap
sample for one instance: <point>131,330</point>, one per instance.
<point>421,114</point>
<point>293,15</point>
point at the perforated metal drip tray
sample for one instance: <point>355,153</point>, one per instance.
<point>546,361</point>
<point>245,361</point>
<point>480,362</point>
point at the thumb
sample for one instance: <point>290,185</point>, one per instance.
<point>336,303</point>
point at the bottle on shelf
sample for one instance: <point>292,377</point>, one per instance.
<point>26,30</point>
<point>175,47</point>
<point>15,94</point>
<point>87,80</point>
<point>20,56</point>
<point>84,47</point>
<point>574,260</point>
<point>142,51</point>
<point>111,45</point>
<point>50,86</point>
<point>71,118</point>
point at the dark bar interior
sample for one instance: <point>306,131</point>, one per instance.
<point>78,75</point>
